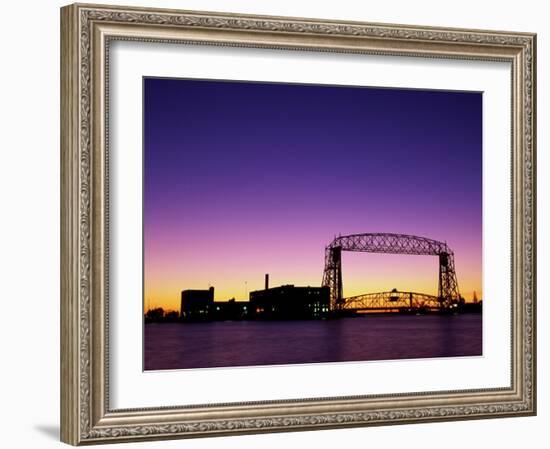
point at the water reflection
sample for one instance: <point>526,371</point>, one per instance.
<point>249,343</point>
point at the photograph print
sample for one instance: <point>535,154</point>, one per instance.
<point>303,223</point>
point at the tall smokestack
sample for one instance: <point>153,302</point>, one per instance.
<point>266,281</point>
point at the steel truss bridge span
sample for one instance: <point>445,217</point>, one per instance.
<point>392,300</point>
<point>390,244</point>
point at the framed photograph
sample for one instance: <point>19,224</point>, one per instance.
<point>279,224</point>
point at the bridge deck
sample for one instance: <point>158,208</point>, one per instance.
<point>391,300</point>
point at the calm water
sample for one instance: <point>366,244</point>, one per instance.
<point>245,343</point>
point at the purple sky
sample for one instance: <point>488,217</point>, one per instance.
<point>245,178</point>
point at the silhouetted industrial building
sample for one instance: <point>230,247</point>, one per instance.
<point>230,310</point>
<point>286,302</point>
<point>289,302</point>
<point>196,304</point>
<point>199,305</point>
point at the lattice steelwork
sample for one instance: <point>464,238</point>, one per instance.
<point>390,244</point>
<point>392,300</point>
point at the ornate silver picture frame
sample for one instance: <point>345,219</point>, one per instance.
<point>87,33</point>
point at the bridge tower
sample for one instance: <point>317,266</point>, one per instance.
<point>447,290</point>
<point>333,276</point>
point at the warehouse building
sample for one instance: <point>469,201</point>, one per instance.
<point>289,302</point>
<point>230,310</point>
<point>196,305</point>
